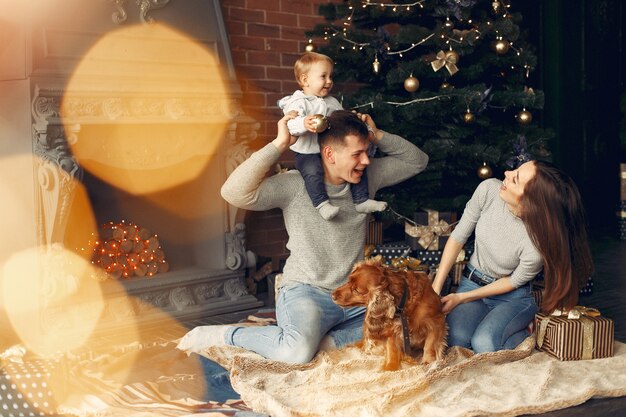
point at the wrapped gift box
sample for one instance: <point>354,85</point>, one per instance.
<point>390,251</point>
<point>32,387</point>
<point>578,334</point>
<point>430,230</point>
<point>374,233</point>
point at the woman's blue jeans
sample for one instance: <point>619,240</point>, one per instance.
<point>305,314</point>
<point>493,323</point>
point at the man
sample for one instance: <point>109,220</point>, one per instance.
<point>322,252</point>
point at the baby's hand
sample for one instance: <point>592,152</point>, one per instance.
<point>310,124</point>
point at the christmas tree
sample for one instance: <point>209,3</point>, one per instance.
<point>452,76</point>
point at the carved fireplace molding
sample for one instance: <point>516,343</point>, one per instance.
<point>120,16</point>
<point>181,294</point>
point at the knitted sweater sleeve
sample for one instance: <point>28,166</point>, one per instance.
<point>402,160</point>
<point>248,186</point>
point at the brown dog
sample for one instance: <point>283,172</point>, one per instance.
<point>381,288</point>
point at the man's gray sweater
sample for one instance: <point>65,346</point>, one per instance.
<point>322,252</point>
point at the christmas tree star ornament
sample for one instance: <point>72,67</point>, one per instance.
<point>411,84</point>
<point>446,59</point>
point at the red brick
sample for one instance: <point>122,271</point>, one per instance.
<point>253,99</point>
<point>280,73</point>
<point>247,43</point>
<point>264,4</point>
<point>281,45</point>
<point>294,33</point>
<point>279,18</point>
<point>239,56</point>
<point>246,15</point>
<point>270,86</point>
<point>262,30</point>
<point>252,72</point>
<point>287,60</point>
<point>233,3</point>
<point>264,58</point>
<point>298,6</point>
<point>309,22</point>
<point>271,99</point>
<point>235,28</point>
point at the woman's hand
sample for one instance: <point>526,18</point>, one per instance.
<point>283,138</point>
<point>450,301</point>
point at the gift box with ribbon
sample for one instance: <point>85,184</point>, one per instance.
<point>429,230</point>
<point>579,333</point>
<point>391,250</point>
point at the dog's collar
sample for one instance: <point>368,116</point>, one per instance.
<point>405,324</point>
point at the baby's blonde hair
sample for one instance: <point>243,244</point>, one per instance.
<point>305,62</point>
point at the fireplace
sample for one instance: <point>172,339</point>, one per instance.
<point>130,124</point>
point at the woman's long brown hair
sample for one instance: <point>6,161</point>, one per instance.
<point>554,216</point>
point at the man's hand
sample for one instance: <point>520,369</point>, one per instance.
<point>375,133</point>
<point>283,139</point>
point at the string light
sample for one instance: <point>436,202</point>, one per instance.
<point>396,5</point>
<point>125,250</point>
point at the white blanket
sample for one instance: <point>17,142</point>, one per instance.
<point>347,382</point>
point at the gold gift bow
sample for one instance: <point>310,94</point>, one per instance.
<point>428,234</point>
<point>441,60</point>
<point>575,313</point>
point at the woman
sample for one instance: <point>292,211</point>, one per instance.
<point>533,219</point>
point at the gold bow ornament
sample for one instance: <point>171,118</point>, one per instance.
<point>580,313</point>
<point>428,235</point>
<point>445,59</point>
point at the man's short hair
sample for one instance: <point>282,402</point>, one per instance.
<point>305,62</point>
<point>342,123</point>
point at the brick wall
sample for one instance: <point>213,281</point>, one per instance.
<point>266,37</point>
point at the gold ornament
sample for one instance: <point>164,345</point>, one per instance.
<point>446,59</point>
<point>500,46</point>
<point>484,171</point>
<point>469,117</point>
<point>411,84</point>
<point>524,117</point>
<point>310,47</point>
<point>320,123</point>
<point>376,65</point>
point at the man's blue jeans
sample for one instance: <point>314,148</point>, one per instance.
<point>493,323</point>
<point>304,314</point>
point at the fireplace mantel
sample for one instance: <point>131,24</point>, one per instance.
<point>207,275</point>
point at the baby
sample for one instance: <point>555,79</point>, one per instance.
<point>313,73</point>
